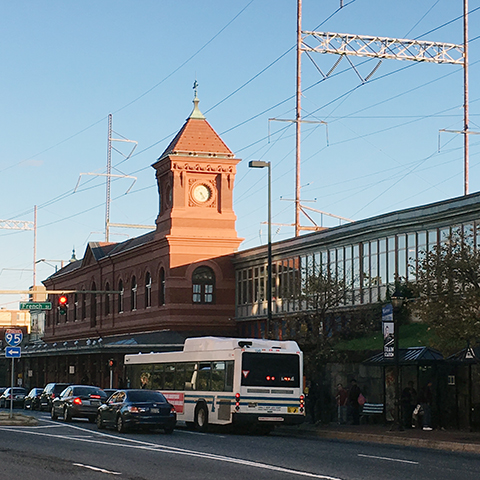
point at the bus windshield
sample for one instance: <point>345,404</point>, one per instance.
<point>270,370</point>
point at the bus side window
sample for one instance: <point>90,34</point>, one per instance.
<point>179,377</point>
<point>169,376</point>
<point>190,376</point>
<point>218,376</point>
<point>203,376</point>
<point>157,378</point>
<point>229,376</point>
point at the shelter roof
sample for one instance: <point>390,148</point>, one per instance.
<point>411,356</point>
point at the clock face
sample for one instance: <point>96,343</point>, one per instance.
<point>202,193</point>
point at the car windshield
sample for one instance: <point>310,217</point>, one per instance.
<point>85,391</point>
<point>145,396</point>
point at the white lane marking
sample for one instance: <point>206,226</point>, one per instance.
<point>389,459</point>
<point>138,444</point>
<point>90,467</point>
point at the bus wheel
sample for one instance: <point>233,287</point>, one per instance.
<point>201,417</point>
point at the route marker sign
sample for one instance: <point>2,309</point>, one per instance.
<point>35,305</point>
<point>13,336</point>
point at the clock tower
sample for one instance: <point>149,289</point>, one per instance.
<point>195,178</point>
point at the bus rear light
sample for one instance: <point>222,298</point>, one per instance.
<point>237,401</point>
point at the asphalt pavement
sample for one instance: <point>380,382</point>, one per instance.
<point>448,440</point>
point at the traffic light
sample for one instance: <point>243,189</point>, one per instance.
<point>111,363</point>
<point>62,304</point>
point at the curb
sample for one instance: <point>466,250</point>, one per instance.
<point>463,447</point>
<point>17,419</point>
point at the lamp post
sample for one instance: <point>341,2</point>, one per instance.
<point>397,302</point>
<point>262,164</point>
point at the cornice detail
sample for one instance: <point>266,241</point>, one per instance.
<point>189,167</point>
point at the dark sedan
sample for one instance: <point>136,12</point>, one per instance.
<point>127,409</point>
<point>78,401</point>
<point>32,400</point>
<point>17,396</point>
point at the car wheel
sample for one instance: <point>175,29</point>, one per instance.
<point>168,430</point>
<point>67,416</point>
<point>121,427</point>
<point>201,418</point>
<point>99,422</point>
<point>53,414</point>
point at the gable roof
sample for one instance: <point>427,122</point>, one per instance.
<point>410,355</point>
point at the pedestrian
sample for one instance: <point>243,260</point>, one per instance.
<point>341,398</point>
<point>425,399</point>
<point>409,402</point>
<point>352,402</point>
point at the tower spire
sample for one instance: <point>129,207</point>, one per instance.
<point>196,113</point>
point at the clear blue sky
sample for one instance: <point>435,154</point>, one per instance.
<point>67,65</point>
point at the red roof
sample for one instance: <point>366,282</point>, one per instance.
<point>197,136</point>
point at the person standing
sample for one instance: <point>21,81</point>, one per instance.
<point>341,398</point>
<point>352,402</point>
<point>409,402</point>
<point>425,399</point>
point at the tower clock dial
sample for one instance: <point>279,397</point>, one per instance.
<point>202,193</point>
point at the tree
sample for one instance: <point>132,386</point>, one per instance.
<point>447,288</point>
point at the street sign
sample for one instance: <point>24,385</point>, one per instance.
<point>13,336</point>
<point>13,352</point>
<point>35,305</point>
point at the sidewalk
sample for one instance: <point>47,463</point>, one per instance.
<point>449,440</point>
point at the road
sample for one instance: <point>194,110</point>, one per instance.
<point>77,450</point>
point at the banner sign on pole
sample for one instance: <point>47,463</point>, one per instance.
<point>388,330</point>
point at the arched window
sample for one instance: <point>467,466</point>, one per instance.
<point>84,306</point>
<point>93,306</point>
<point>75,307</point>
<point>107,299</point>
<point>203,281</point>
<point>133,295</point>
<point>120,296</point>
<point>161,287</point>
<point>148,290</point>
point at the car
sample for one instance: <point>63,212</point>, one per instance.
<point>78,401</point>
<point>134,408</point>
<point>51,391</point>
<point>32,400</point>
<point>18,394</point>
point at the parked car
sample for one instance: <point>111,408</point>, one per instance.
<point>32,400</point>
<point>137,408</point>
<point>17,394</point>
<point>78,401</point>
<point>51,391</point>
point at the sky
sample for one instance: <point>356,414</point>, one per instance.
<point>67,65</point>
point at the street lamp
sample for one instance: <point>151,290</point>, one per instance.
<point>262,164</point>
<point>397,302</point>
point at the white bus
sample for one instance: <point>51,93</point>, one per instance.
<point>222,381</point>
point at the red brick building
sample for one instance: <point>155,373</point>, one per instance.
<point>178,278</point>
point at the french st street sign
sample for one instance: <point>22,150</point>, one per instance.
<point>13,352</point>
<point>35,305</point>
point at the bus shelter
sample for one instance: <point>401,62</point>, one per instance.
<point>464,387</point>
<point>420,365</point>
